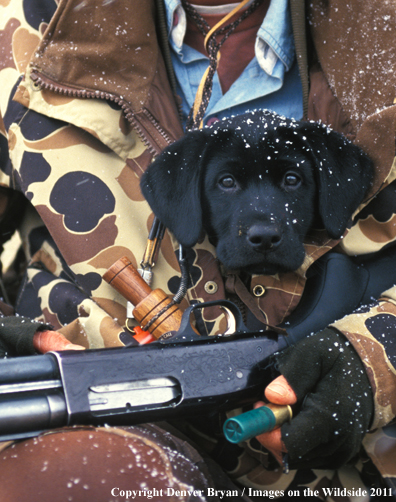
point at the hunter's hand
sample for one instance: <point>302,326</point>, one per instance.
<point>326,378</point>
<point>277,392</point>
<point>46,341</point>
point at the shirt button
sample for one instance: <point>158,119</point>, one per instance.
<point>212,121</point>
<point>258,290</point>
<point>211,287</point>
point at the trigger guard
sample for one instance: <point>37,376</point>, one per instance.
<point>231,322</point>
<point>234,319</point>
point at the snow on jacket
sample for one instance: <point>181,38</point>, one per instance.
<point>86,105</point>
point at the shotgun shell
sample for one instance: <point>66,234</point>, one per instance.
<point>255,422</point>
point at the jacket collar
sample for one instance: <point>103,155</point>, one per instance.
<point>110,51</point>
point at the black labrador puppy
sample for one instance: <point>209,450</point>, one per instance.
<point>256,184</point>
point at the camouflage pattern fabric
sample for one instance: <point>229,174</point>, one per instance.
<point>85,106</point>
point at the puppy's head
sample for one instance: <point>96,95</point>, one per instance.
<point>256,184</point>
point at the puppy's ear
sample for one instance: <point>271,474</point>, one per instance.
<point>172,187</point>
<point>343,173</point>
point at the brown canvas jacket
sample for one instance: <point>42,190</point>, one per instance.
<point>96,78</point>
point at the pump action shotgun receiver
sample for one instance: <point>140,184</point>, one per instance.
<point>131,385</point>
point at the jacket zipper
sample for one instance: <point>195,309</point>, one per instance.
<point>146,126</point>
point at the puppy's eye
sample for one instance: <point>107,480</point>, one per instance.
<point>291,179</point>
<point>227,182</point>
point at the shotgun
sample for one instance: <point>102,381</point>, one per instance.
<point>186,375</point>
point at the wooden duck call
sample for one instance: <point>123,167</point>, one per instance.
<point>148,303</point>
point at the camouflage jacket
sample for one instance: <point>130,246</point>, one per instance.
<point>86,103</point>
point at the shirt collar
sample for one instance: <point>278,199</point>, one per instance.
<point>274,38</point>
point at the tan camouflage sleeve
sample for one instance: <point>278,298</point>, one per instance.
<point>372,331</point>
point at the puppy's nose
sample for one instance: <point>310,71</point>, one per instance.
<point>263,237</point>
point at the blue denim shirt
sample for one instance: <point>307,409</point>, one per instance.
<point>271,80</point>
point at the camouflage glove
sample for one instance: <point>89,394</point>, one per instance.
<point>335,399</point>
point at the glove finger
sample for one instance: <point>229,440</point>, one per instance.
<point>323,431</point>
<point>305,432</point>
<point>310,361</point>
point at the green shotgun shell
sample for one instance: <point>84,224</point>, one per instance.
<point>255,422</point>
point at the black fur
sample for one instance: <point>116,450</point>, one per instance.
<point>256,184</point>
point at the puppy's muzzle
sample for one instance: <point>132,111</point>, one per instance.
<point>264,237</point>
